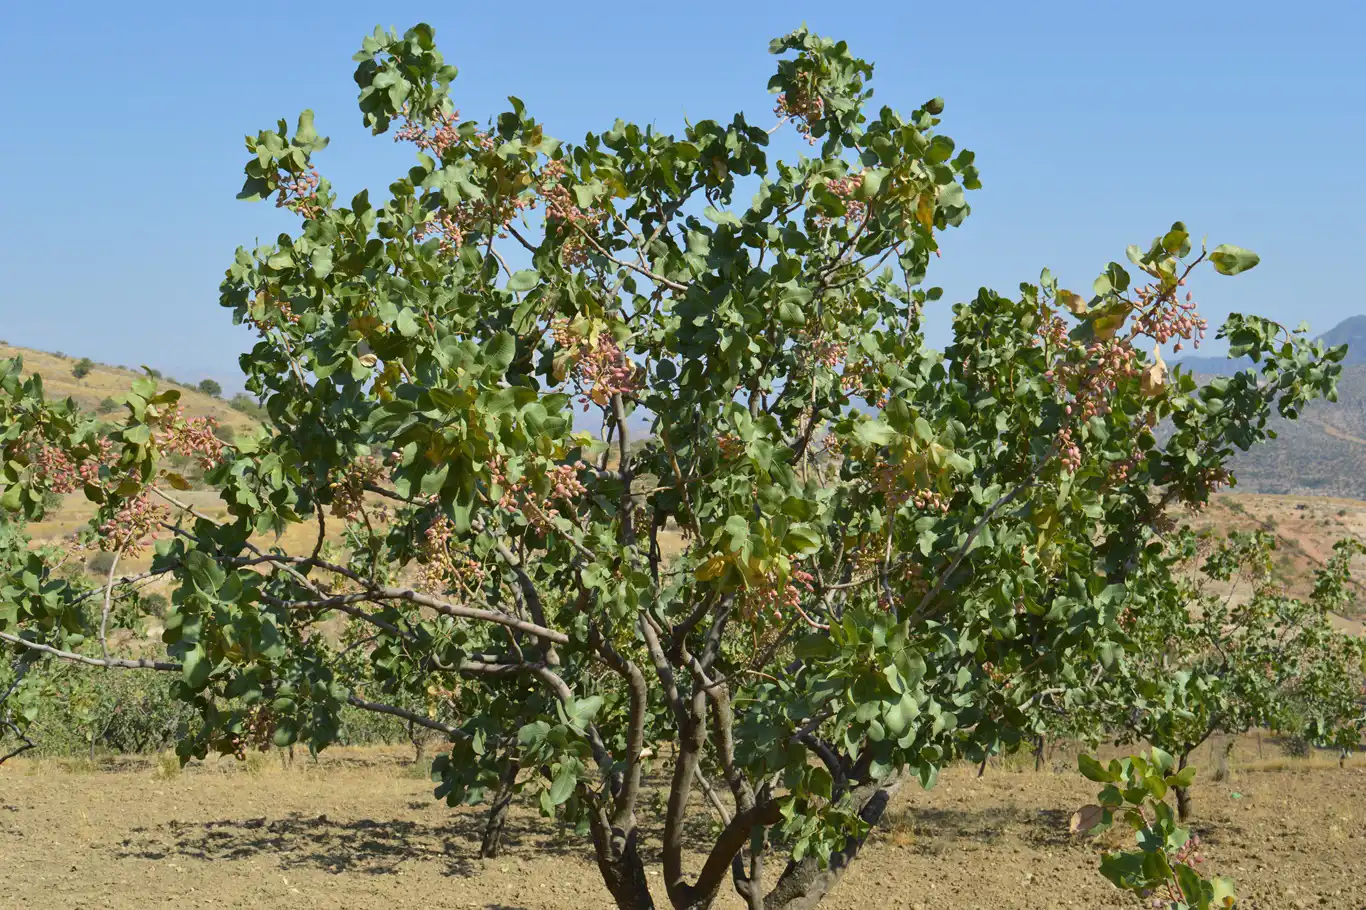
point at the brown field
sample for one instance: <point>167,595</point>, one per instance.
<point>361,830</point>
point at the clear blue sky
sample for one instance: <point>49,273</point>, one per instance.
<point>1095,124</point>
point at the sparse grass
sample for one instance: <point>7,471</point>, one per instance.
<point>168,766</point>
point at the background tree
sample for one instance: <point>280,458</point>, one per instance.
<point>210,387</point>
<point>879,556</point>
<point>82,368</point>
<point>1206,662</point>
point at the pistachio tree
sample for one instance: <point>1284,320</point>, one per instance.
<point>1224,649</point>
<point>640,440</point>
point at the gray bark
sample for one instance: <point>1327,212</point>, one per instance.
<point>803,885</point>
<point>492,843</point>
<point>619,863</point>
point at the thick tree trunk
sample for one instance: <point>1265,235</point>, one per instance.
<point>619,862</point>
<point>1183,794</point>
<point>804,885</point>
<point>417,736</point>
<point>498,813</point>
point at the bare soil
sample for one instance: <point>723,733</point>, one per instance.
<point>361,830</point>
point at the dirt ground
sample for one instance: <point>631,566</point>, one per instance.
<point>361,830</point>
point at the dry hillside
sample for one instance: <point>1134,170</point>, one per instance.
<point>1306,527</point>
<point>107,381</point>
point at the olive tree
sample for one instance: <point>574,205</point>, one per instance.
<point>635,448</point>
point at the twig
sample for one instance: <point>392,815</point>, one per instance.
<point>140,664</point>
<point>410,716</point>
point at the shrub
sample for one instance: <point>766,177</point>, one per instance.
<point>107,406</point>
<point>244,403</point>
<point>100,563</point>
<point>210,387</point>
<point>82,368</point>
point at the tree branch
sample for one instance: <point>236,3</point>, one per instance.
<point>732,838</point>
<point>112,662</point>
<point>410,716</point>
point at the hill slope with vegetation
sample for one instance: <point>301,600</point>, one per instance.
<point>99,384</point>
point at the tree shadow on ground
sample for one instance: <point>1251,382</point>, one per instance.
<point>370,847</point>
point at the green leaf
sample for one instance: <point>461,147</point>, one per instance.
<point>819,782</point>
<point>500,350</point>
<point>406,323</point>
<point>871,184</point>
<point>321,260</point>
<point>715,215</point>
<point>1183,778</point>
<point>898,718</point>
<point>585,709</point>
<point>1175,240</point>
<point>1223,891</point>
<point>1094,770</point>
<point>1230,260</point>
<point>285,735</point>
<point>524,280</point>
<point>791,315</point>
<point>1190,882</point>
<point>563,785</point>
<point>196,668</point>
<point>1124,870</point>
<point>737,529</point>
<point>802,539</point>
<point>873,433</point>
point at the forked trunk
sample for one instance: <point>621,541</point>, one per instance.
<point>498,813</point>
<point>805,884</point>
<point>619,862</point>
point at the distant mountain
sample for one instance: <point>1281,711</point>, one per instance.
<point>1213,366</point>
